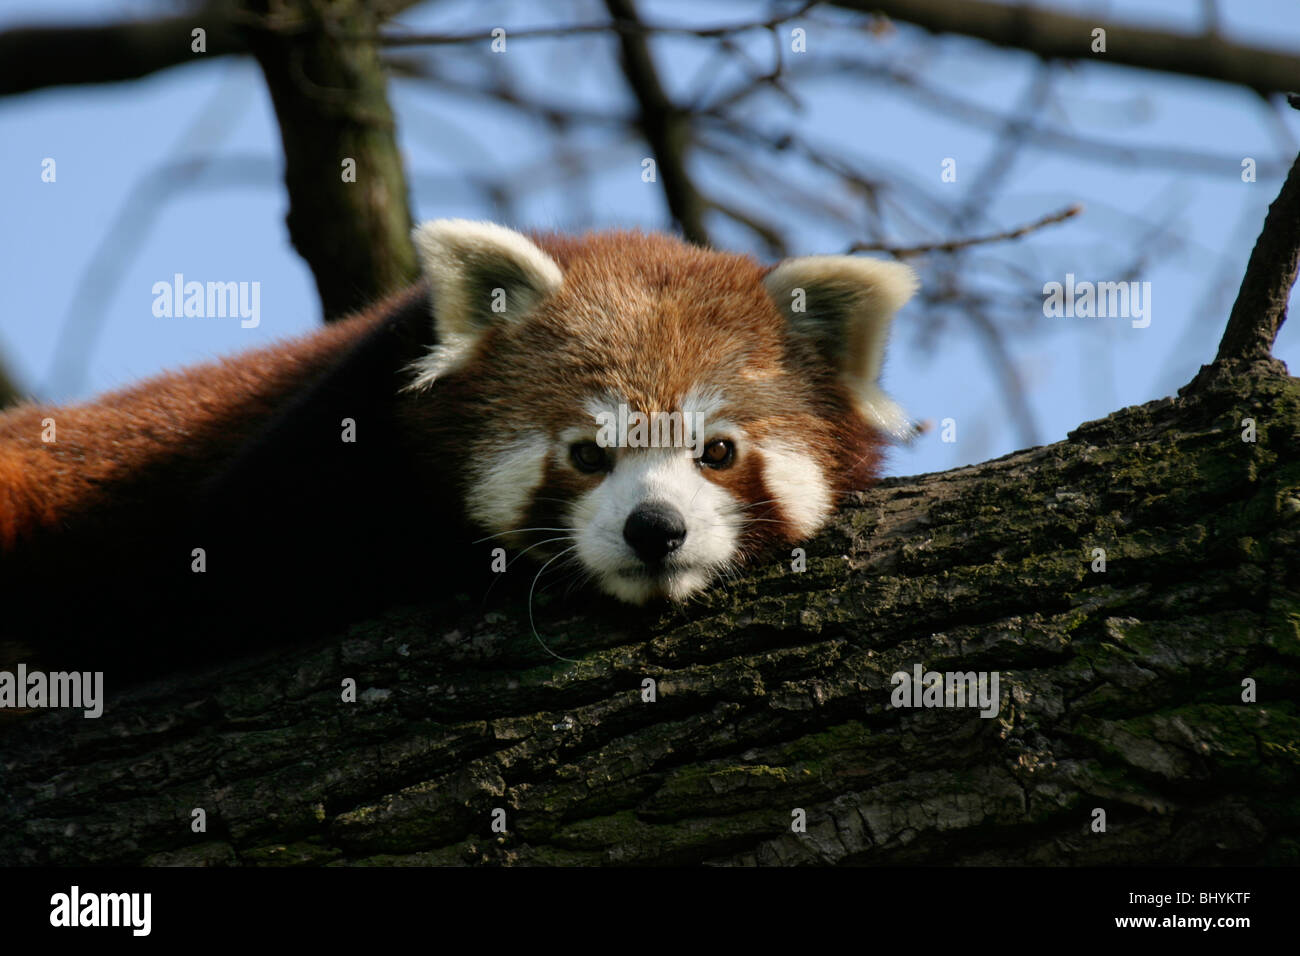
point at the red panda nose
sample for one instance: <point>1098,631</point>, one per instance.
<point>654,531</point>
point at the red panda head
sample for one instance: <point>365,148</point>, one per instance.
<point>650,412</point>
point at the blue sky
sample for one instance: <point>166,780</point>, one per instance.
<point>88,248</point>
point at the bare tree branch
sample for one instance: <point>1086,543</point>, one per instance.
<point>666,126</point>
<point>33,58</point>
<point>10,393</point>
<point>1260,308</point>
<point>330,96</point>
<point>1008,377</point>
<point>624,26</point>
<point>974,113</point>
<point>952,245</point>
<point>1054,35</point>
<point>1116,690</point>
<point>771,237</point>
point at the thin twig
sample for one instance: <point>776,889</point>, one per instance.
<point>771,237</point>
<point>973,113</point>
<point>952,245</point>
<point>621,26</point>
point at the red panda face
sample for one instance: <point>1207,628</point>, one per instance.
<point>647,413</point>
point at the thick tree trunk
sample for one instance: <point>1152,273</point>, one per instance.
<point>1120,690</point>
<point>348,212</point>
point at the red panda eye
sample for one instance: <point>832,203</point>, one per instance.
<point>718,454</point>
<point>589,457</point>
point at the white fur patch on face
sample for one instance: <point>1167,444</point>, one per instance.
<point>705,402</point>
<point>606,403</point>
<point>502,483</point>
<point>666,476</point>
<point>797,483</point>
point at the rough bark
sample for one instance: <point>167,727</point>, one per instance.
<point>1120,690</point>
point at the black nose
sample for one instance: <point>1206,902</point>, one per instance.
<point>654,531</point>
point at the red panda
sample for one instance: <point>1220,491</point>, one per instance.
<point>493,400</point>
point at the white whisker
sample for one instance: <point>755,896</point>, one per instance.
<point>531,623</point>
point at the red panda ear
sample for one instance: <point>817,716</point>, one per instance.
<point>480,274</point>
<point>844,305</point>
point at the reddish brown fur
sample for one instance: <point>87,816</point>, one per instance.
<point>180,426</point>
<point>645,315</point>
<point>651,317</point>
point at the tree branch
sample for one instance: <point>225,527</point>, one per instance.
<point>1260,309</point>
<point>620,26</point>
<point>973,113</point>
<point>1119,689</point>
<point>33,58</point>
<point>330,94</point>
<point>952,245</point>
<point>10,393</point>
<point>667,128</point>
<point>1053,35</point>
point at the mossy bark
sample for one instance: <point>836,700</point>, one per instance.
<point>1121,690</point>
